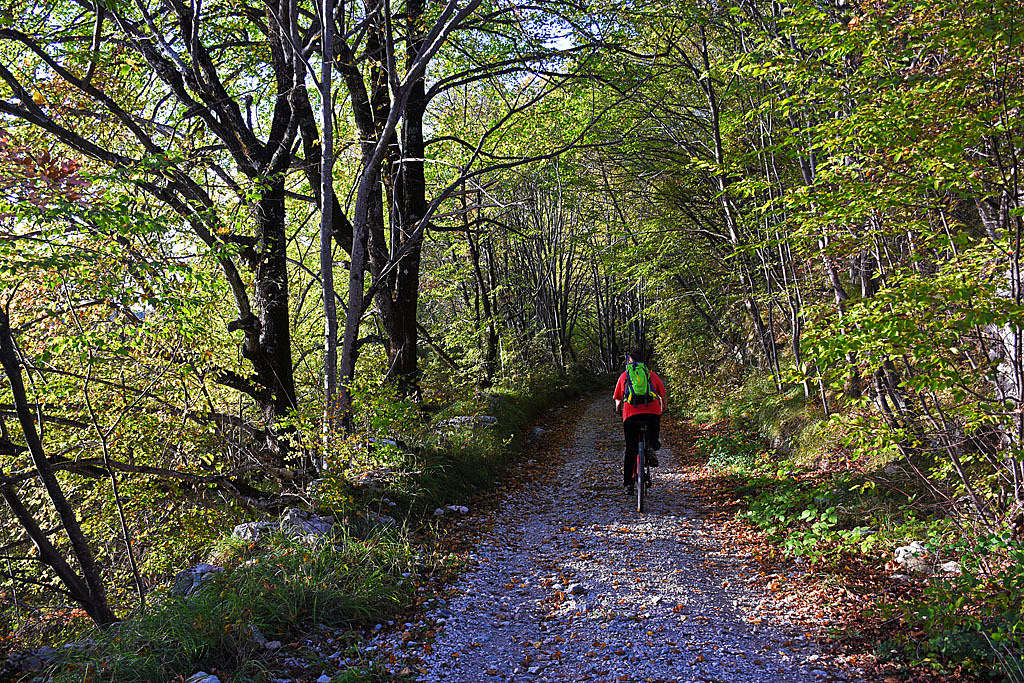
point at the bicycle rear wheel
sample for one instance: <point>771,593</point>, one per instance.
<point>641,480</point>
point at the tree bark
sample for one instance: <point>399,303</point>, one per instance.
<point>413,208</point>
<point>272,357</point>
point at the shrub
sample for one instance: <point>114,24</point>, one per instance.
<point>972,620</point>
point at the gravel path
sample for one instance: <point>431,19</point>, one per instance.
<point>571,583</point>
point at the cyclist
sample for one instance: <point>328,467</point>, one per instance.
<point>640,395</point>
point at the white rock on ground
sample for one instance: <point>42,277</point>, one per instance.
<point>26,661</point>
<point>202,677</point>
<point>913,557</point>
<point>468,421</point>
<point>455,509</point>
<point>253,531</point>
<point>374,520</point>
<point>257,636</point>
<point>305,525</point>
<point>951,567</point>
<point>299,524</point>
<point>188,581</point>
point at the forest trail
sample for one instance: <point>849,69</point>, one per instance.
<point>571,583</point>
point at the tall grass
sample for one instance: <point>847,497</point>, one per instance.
<point>282,588</point>
<point>465,461</point>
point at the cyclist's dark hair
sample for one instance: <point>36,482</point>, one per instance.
<point>636,354</point>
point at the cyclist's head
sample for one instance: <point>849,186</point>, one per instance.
<point>634,356</point>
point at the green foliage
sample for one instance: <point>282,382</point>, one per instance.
<point>811,208</point>
<point>287,589</point>
<point>732,452</point>
<point>832,518</point>
<point>808,508</point>
<point>968,623</point>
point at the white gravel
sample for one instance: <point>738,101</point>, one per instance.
<point>571,583</point>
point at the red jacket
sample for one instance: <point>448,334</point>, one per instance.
<point>652,408</point>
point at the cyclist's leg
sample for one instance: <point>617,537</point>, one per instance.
<point>631,430</point>
<point>653,423</point>
<point>654,432</point>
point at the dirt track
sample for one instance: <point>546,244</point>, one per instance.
<point>571,583</point>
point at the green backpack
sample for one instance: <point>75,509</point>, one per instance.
<point>638,385</point>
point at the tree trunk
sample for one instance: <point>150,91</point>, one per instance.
<point>87,590</point>
<point>403,339</point>
<point>272,357</point>
<point>330,378</point>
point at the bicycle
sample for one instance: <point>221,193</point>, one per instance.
<point>643,470</point>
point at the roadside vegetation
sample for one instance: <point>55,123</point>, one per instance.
<point>281,590</point>
<point>841,507</point>
<point>278,591</point>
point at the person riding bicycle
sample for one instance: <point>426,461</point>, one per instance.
<point>640,395</point>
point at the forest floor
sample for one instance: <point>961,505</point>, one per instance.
<point>566,581</point>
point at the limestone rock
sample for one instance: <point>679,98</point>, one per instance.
<point>202,677</point>
<point>189,581</point>
<point>468,421</point>
<point>299,524</point>
<point>952,567</point>
<point>257,636</point>
<point>305,525</point>
<point>451,509</point>
<point>375,520</point>
<point>253,531</point>
<point>27,661</point>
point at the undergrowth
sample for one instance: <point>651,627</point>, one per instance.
<point>399,464</point>
<point>972,620</point>
<point>818,494</point>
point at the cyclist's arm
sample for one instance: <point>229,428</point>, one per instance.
<point>661,392</point>
<point>618,395</point>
